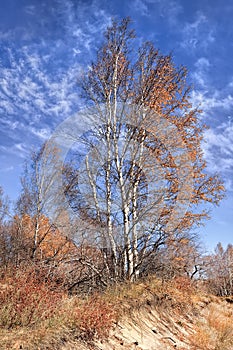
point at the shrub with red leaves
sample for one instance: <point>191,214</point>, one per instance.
<point>94,318</point>
<point>26,300</point>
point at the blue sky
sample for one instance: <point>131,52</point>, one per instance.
<point>45,45</point>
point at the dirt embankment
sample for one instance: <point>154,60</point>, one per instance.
<point>150,315</point>
<point>206,325</point>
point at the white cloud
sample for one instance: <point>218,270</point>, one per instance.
<point>200,75</point>
<point>198,34</point>
<point>141,6</point>
<point>228,184</point>
<point>8,169</point>
<point>28,90</point>
<point>202,63</point>
<point>30,9</point>
<point>208,102</point>
<point>38,80</point>
<point>33,101</point>
<point>83,23</point>
<point>43,133</point>
<point>230,85</point>
<point>171,10</point>
<point>218,151</point>
<point>222,139</point>
<point>167,9</point>
<point>19,149</point>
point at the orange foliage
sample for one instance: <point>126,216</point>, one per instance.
<point>26,299</point>
<point>43,238</point>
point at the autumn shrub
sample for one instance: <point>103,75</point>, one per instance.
<point>92,318</point>
<point>183,284</point>
<point>26,299</point>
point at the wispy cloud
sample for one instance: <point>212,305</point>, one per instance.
<point>169,10</point>
<point>7,169</point>
<point>19,149</point>
<point>83,22</point>
<point>30,95</point>
<point>198,34</point>
<point>42,56</point>
<point>141,6</point>
<point>200,74</point>
<point>218,151</point>
<point>213,103</point>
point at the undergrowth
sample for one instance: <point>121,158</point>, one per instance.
<point>26,300</point>
<point>36,314</point>
<point>215,331</point>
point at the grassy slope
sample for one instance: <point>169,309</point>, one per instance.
<point>146,315</point>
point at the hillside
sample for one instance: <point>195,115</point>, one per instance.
<point>207,326</point>
<point>146,316</point>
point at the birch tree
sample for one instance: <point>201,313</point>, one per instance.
<point>219,270</point>
<point>4,237</point>
<point>141,170</point>
<point>38,237</point>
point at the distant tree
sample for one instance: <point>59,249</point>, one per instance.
<point>35,239</point>
<point>4,227</point>
<point>144,163</point>
<point>4,206</point>
<point>40,238</point>
<point>181,257</point>
<point>219,270</point>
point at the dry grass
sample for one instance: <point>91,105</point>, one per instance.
<point>176,294</point>
<point>34,316</point>
<point>215,331</point>
<point>74,320</point>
